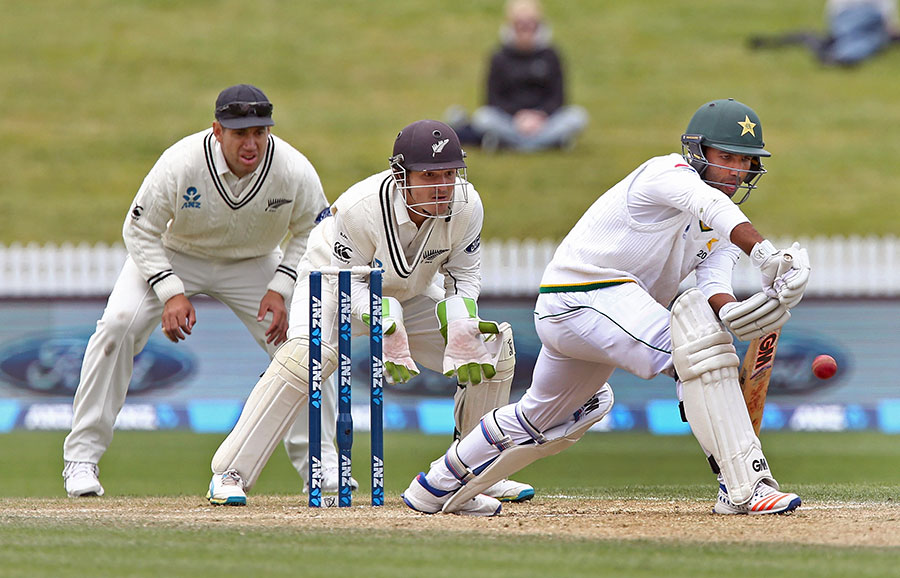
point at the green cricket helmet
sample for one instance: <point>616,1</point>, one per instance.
<point>729,126</point>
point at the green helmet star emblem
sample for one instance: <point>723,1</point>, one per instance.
<point>730,126</point>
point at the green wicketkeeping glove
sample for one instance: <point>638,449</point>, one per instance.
<point>465,354</point>
<point>398,362</point>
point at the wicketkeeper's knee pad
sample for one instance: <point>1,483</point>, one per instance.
<point>513,458</point>
<point>270,410</point>
<point>472,402</point>
<point>707,365</point>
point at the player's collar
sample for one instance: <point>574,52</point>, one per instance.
<point>401,213</point>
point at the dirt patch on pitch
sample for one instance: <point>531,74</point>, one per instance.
<point>838,524</point>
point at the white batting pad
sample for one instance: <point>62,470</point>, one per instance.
<point>270,410</point>
<point>473,401</point>
<point>707,365</point>
<point>515,458</point>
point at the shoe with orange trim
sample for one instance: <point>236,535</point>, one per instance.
<point>765,500</point>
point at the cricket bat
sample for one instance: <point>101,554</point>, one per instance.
<point>756,371</point>
<point>755,374</point>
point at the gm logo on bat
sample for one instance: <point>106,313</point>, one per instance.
<point>795,353</point>
<point>50,363</point>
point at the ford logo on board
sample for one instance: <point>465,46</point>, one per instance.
<point>792,371</point>
<point>50,363</point>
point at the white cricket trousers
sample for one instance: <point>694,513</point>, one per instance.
<point>584,336</point>
<point>426,344</point>
<point>132,312</point>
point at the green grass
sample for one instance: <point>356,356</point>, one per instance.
<point>821,467</point>
<point>35,551</point>
<point>95,90</point>
<point>846,466</point>
<point>608,465</point>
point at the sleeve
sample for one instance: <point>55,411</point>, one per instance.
<point>714,273</point>
<point>152,209</point>
<point>681,187</point>
<point>462,270</point>
<point>310,208</point>
<point>354,245</point>
<point>556,86</point>
<point>495,84</point>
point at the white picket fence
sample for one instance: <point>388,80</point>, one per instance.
<point>842,267</point>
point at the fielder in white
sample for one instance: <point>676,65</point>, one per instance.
<point>420,221</point>
<point>209,218</point>
<point>602,306</point>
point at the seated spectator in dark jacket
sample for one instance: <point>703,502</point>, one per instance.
<point>526,108</point>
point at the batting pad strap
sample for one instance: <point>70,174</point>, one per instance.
<point>535,434</point>
<point>431,489</point>
<point>456,466</point>
<point>493,433</point>
<point>705,354</point>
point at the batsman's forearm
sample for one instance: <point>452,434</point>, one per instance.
<point>745,236</point>
<point>718,300</point>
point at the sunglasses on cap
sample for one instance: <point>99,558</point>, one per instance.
<point>246,109</point>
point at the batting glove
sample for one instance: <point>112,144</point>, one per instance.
<point>466,354</point>
<point>754,317</point>
<point>785,272</point>
<point>398,362</point>
<point>792,285</point>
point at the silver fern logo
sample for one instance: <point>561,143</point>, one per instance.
<point>439,146</point>
<point>273,204</point>
<point>432,254</point>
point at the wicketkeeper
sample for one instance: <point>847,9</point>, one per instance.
<point>420,221</point>
<point>602,306</point>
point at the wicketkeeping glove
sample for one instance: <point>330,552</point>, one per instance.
<point>398,362</point>
<point>465,354</point>
<point>785,272</point>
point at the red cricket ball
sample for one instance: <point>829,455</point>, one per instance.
<point>824,366</point>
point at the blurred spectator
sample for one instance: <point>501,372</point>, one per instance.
<point>525,108</point>
<point>857,30</point>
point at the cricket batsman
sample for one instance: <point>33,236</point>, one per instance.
<point>603,305</point>
<point>420,222</point>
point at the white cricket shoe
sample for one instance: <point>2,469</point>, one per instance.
<point>765,500</point>
<point>423,498</point>
<point>227,490</point>
<point>510,491</point>
<point>82,479</point>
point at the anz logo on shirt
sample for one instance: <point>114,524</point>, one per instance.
<point>191,198</point>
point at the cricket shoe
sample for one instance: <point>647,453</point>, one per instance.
<point>227,489</point>
<point>510,491</point>
<point>82,479</point>
<point>765,500</point>
<point>421,497</point>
